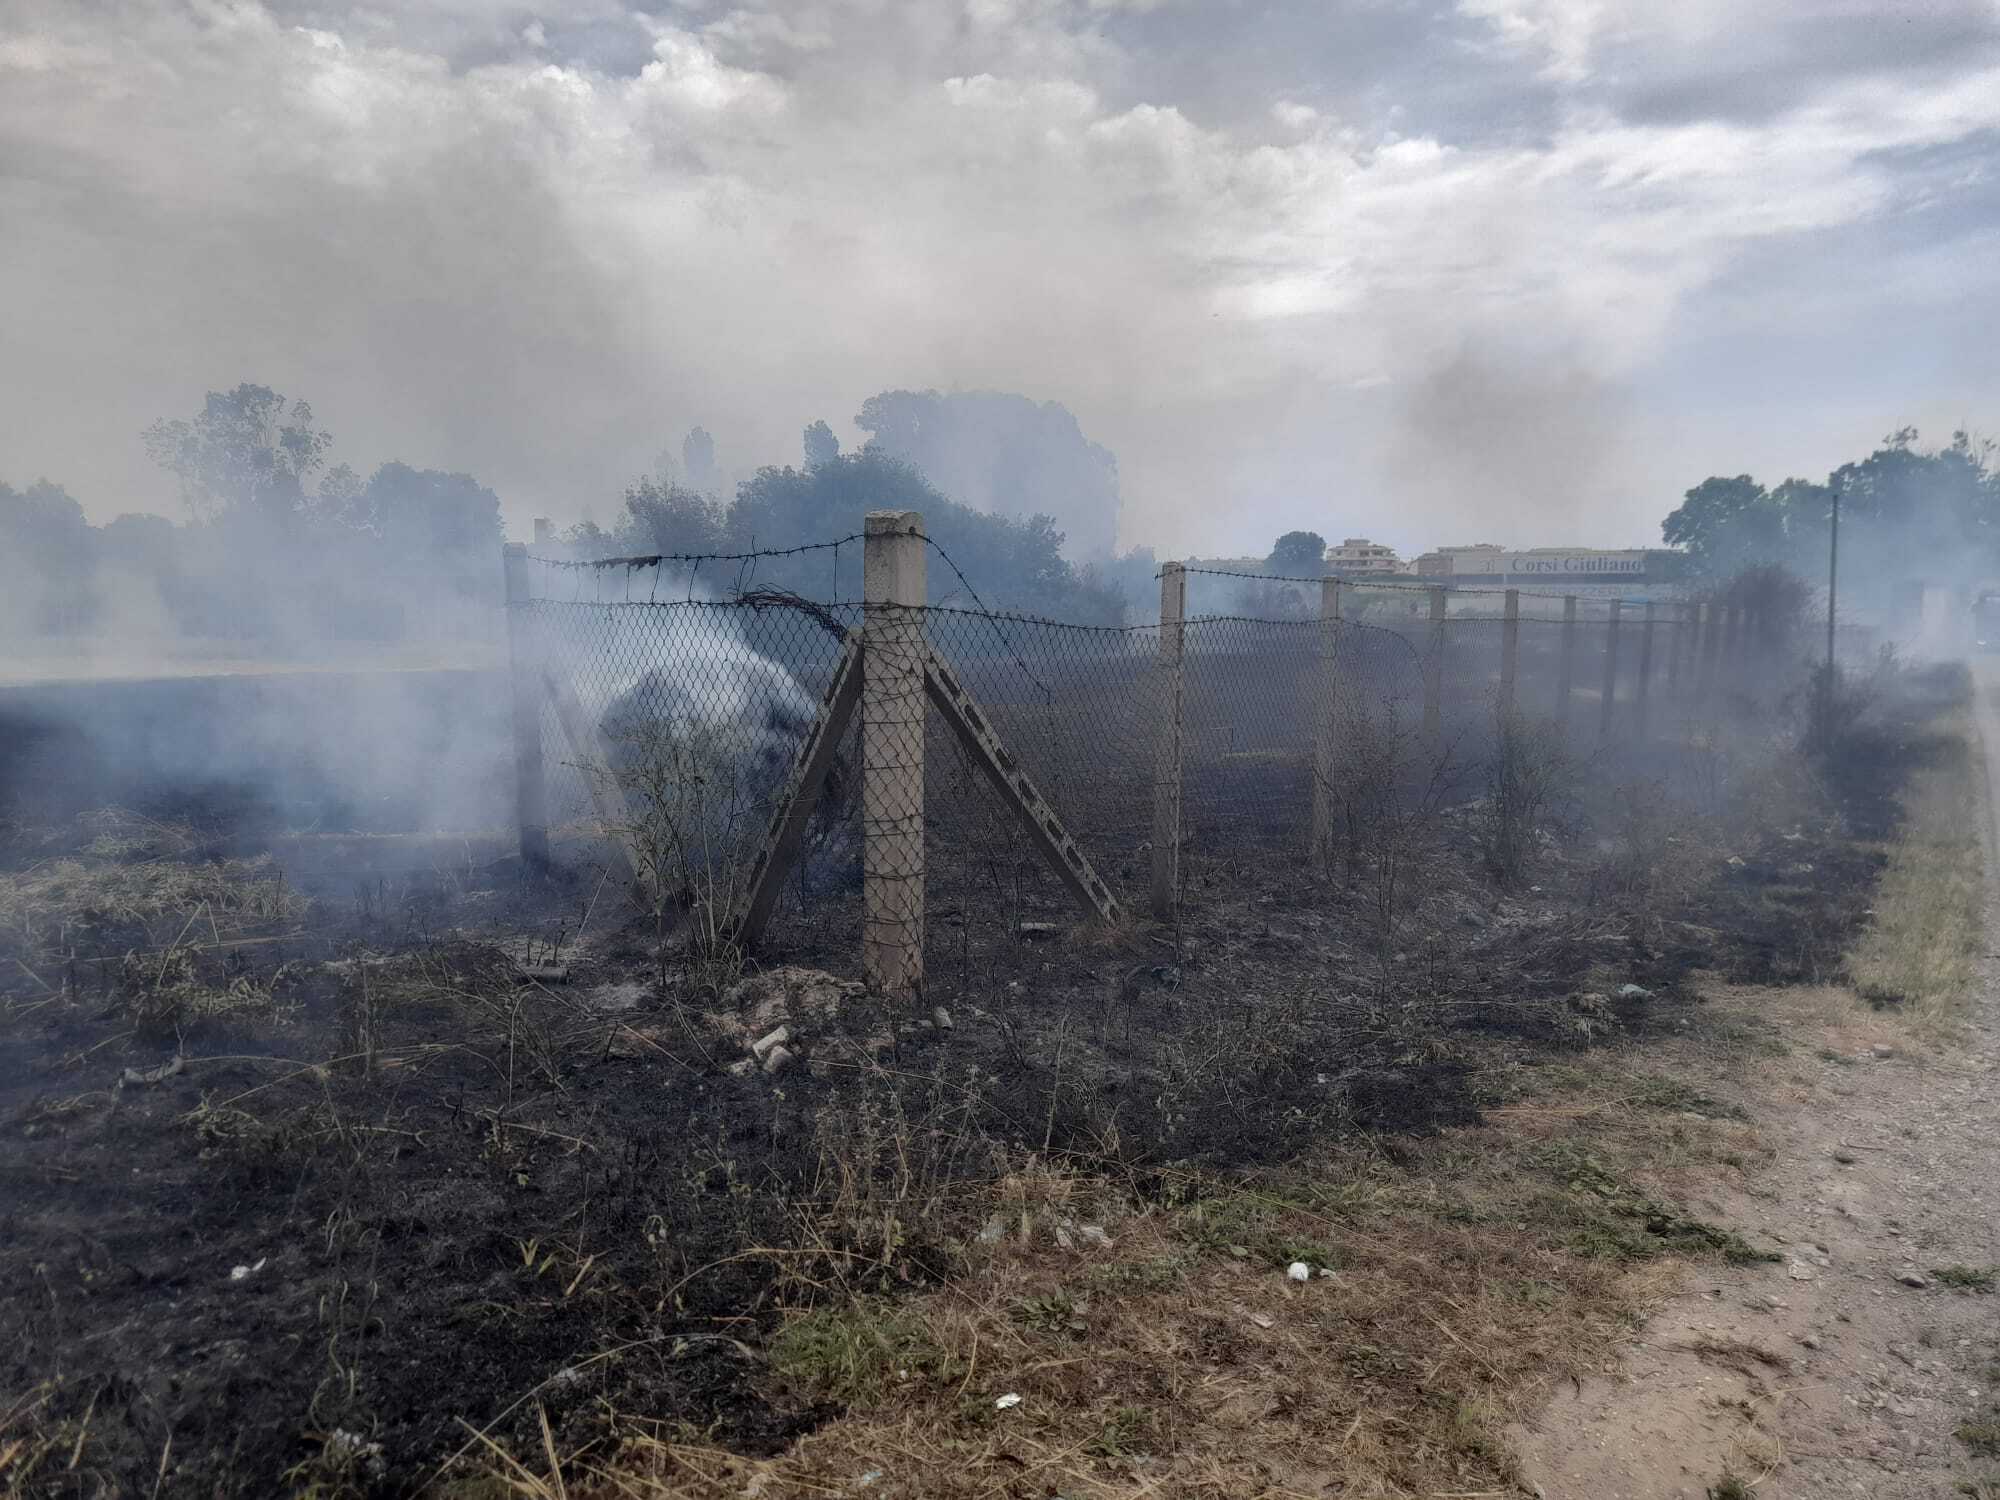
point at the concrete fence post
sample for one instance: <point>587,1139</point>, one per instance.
<point>531,814</point>
<point>1510,651</point>
<point>1566,669</point>
<point>1608,702</point>
<point>1434,671</point>
<point>1677,624</point>
<point>1704,621</point>
<point>893,652</point>
<point>1711,649</point>
<point>1698,653</point>
<point>1167,772</point>
<point>1325,740</point>
<point>1640,710</point>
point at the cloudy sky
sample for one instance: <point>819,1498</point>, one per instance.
<point>1518,270</point>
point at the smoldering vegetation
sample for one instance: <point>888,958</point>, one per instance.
<point>306,1076</point>
<point>285,1118</point>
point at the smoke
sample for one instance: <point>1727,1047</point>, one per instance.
<point>1488,444</point>
<point>375,752</point>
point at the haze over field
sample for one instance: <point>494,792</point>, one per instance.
<point>1520,270</point>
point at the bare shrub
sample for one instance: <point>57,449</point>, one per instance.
<point>1838,701</point>
<point>693,818</point>
<point>1657,855</point>
<point>1530,784</point>
<point>1773,599</point>
<point>1388,794</point>
<point>887,1160</point>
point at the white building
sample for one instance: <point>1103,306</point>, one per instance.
<point>1359,556</point>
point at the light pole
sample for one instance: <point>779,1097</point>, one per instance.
<point>1832,580</point>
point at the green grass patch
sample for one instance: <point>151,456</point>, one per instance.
<point>1608,1218</point>
<point>1966,1278</point>
<point>1654,1091</point>
<point>1250,1226</point>
<point>1921,948</point>
<point>854,1352</point>
<point>1981,1436</point>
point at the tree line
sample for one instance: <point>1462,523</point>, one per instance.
<point>1908,515</point>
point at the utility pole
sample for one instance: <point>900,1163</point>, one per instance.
<point>1832,580</point>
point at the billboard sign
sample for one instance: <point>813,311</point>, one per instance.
<point>1575,564</point>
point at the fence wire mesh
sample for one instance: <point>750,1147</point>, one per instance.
<point>670,720</point>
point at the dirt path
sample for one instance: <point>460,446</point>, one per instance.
<point>1827,1373</point>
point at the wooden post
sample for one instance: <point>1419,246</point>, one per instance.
<point>1639,710</point>
<point>530,792</point>
<point>893,705</point>
<point>1510,651</point>
<point>1167,773</point>
<point>1610,671</point>
<point>802,791</point>
<point>1017,789</point>
<point>1325,743</point>
<point>1434,671</point>
<point>1566,672</point>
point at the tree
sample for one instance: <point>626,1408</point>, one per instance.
<point>669,518</point>
<point>46,558</point>
<point>247,453</point>
<point>1013,564</point>
<point>698,460</point>
<point>419,511</point>
<point>821,446</point>
<point>1298,552</point>
<point>1915,515</point>
<point>1709,524</point>
<point>1005,454</point>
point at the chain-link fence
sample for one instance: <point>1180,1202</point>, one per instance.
<point>968,772</point>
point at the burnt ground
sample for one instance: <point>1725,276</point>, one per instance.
<point>399,1194</point>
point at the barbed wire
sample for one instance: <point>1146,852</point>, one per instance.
<point>959,573</point>
<point>655,562</point>
<point>654,559</point>
<point>1478,591</point>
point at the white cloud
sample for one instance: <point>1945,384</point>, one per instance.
<point>538,265</point>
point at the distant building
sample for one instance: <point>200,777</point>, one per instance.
<point>1357,556</point>
<point>1486,564</point>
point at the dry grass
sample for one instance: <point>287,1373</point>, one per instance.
<point>1922,946</point>
<point>139,878</point>
<point>1157,1345</point>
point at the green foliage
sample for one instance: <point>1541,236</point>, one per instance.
<point>1902,505</point>
<point>669,518</point>
<point>1125,1432</point>
<point>1982,1436</point>
<point>820,445</point>
<point>852,1353</point>
<point>1014,563</point>
<point>1003,455</point>
<point>1250,1226</point>
<point>249,451</point>
<point>425,511</point>
<point>1612,1219</point>
<point>1161,1273</point>
<point>1052,1313</point>
<point>1966,1278</point>
<point>1298,553</point>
